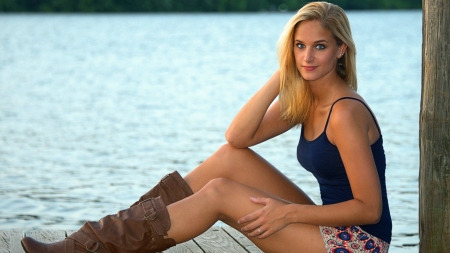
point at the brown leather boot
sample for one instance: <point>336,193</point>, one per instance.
<point>171,188</point>
<point>140,228</point>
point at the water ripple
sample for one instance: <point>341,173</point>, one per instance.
<point>94,109</point>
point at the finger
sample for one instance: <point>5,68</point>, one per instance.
<point>261,233</point>
<point>264,232</point>
<point>264,235</point>
<point>251,227</point>
<point>248,218</point>
<point>259,200</point>
<point>256,232</point>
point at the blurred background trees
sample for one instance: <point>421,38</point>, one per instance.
<point>190,5</point>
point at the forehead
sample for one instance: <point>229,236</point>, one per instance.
<point>312,30</point>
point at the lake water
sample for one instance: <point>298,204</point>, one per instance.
<point>95,109</point>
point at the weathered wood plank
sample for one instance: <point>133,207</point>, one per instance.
<point>4,241</point>
<point>10,241</point>
<point>216,240</point>
<point>242,240</point>
<point>189,246</point>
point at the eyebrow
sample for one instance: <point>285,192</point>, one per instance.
<point>315,42</point>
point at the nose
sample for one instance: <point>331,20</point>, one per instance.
<point>309,55</point>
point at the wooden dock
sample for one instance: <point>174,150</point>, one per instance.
<point>216,239</point>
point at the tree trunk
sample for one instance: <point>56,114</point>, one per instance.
<point>434,178</point>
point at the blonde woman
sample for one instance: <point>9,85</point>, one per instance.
<point>340,144</point>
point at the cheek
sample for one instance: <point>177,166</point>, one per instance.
<point>330,59</point>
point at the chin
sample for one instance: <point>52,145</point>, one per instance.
<point>309,78</point>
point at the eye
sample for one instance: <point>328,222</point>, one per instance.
<point>320,46</point>
<point>300,45</point>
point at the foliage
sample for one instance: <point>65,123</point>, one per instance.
<point>190,5</point>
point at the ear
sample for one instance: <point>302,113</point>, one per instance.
<point>342,50</point>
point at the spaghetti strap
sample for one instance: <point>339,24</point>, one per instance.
<point>373,116</point>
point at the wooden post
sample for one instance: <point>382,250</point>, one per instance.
<point>434,178</point>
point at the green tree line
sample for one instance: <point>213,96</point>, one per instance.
<point>191,5</point>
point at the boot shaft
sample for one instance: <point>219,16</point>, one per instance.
<point>141,228</point>
<point>171,188</point>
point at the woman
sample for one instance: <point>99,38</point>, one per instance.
<point>340,143</point>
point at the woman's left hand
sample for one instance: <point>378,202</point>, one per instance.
<point>267,220</point>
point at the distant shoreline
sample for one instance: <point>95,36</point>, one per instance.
<point>196,6</point>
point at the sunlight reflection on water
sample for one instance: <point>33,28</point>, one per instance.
<point>95,109</point>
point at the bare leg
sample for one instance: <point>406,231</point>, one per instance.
<point>226,200</point>
<point>246,167</point>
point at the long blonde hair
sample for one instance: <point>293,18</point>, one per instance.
<point>295,95</point>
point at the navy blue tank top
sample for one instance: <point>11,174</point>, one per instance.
<point>323,160</point>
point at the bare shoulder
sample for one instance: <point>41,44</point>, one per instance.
<point>350,116</point>
<point>348,108</point>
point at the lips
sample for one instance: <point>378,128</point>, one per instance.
<point>309,68</point>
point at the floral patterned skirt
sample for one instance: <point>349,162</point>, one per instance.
<point>351,239</point>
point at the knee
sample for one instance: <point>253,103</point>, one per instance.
<point>217,193</point>
<point>225,150</point>
<point>218,188</point>
<point>230,153</point>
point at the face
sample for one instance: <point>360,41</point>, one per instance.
<point>316,51</point>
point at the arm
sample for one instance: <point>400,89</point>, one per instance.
<point>256,122</point>
<point>349,126</point>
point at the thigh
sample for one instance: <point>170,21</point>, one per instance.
<point>234,203</point>
<point>296,238</point>
<point>228,201</point>
<point>246,167</point>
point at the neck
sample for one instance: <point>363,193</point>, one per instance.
<point>326,91</point>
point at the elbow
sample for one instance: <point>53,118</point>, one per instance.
<point>374,215</point>
<point>374,219</point>
<point>235,143</point>
<point>234,140</point>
